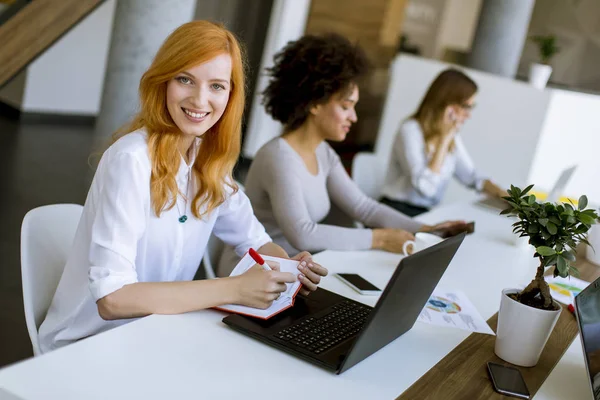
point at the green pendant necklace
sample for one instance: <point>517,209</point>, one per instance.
<point>183,217</point>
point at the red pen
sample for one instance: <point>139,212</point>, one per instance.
<point>571,308</point>
<point>259,260</point>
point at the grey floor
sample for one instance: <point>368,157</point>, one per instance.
<point>39,164</point>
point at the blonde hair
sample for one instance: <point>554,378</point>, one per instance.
<point>189,45</point>
<point>450,87</point>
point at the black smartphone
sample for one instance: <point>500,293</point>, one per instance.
<point>469,227</point>
<point>508,380</point>
<point>359,284</point>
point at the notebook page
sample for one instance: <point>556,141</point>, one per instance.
<point>277,306</point>
<point>284,301</point>
<point>285,265</point>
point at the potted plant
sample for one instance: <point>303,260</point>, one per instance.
<point>539,73</point>
<point>527,317</point>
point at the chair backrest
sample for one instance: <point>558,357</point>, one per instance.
<point>212,256</point>
<point>368,171</point>
<point>214,250</point>
<point>47,235</point>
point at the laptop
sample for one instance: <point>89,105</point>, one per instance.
<point>553,196</point>
<point>587,310</point>
<point>335,332</point>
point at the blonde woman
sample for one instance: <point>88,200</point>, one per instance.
<point>428,151</point>
<point>159,192</point>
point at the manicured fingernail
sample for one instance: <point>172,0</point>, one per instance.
<point>300,276</point>
<point>310,265</point>
<point>303,264</point>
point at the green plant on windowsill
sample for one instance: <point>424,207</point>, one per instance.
<point>554,230</point>
<point>546,46</point>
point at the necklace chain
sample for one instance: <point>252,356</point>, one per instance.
<point>182,216</point>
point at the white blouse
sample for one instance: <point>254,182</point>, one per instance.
<point>409,178</point>
<point>120,240</point>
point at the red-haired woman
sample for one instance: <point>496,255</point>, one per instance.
<point>159,191</point>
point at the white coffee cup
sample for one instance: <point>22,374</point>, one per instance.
<point>422,241</point>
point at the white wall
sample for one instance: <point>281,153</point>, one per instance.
<point>458,26</point>
<point>422,24</point>
<point>570,135</point>
<point>68,77</point>
<point>288,21</point>
<point>502,134</point>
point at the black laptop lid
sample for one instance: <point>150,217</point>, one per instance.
<point>403,299</point>
<point>587,306</point>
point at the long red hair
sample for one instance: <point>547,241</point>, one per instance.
<point>190,45</point>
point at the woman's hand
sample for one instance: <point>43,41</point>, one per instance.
<point>258,287</point>
<point>310,272</point>
<point>447,228</point>
<point>493,190</point>
<point>450,125</point>
<point>391,240</point>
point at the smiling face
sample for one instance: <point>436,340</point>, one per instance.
<point>334,118</point>
<point>198,96</point>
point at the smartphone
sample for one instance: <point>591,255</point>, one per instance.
<point>451,115</point>
<point>446,233</point>
<point>508,380</point>
<point>359,284</point>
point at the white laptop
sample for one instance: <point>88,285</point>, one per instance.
<point>553,196</point>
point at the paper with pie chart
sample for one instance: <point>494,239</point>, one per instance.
<point>453,309</point>
<point>565,289</point>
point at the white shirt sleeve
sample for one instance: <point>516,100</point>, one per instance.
<point>465,169</point>
<point>237,226</point>
<point>409,150</point>
<point>118,225</point>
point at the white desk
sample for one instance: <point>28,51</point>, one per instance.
<point>196,356</point>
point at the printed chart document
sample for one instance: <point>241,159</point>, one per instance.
<point>564,290</point>
<point>285,301</point>
<point>453,309</point>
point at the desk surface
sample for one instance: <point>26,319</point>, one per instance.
<point>195,354</point>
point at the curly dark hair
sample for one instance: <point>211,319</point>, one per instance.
<point>308,72</point>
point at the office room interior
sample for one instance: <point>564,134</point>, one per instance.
<point>70,73</point>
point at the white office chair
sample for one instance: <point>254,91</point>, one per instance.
<point>212,256</point>
<point>368,171</point>
<point>47,235</point>
<point>214,250</point>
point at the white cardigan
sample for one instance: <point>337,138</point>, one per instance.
<point>409,178</point>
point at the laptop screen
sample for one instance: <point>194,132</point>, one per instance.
<point>588,316</point>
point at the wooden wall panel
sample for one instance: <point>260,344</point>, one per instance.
<point>35,28</point>
<point>376,26</point>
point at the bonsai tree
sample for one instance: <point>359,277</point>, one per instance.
<point>546,46</point>
<point>554,230</point>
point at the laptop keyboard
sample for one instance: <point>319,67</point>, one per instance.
<point>319,334</point>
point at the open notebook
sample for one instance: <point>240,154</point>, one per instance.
<point>285,301</point>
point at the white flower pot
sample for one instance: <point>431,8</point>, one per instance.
<point>539,75</point>
<point>522,331</point>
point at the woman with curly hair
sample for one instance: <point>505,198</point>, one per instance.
<point>159,191</point>
<point>294,178</point>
